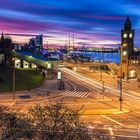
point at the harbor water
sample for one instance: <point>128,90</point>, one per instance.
<point>100,56</point>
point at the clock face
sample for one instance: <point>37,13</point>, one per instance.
<point>125,35</point>
<point>130,35</point>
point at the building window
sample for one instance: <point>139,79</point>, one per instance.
<point>123,61</point>
<point>124,53</point>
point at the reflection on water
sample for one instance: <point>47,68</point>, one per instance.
<point>98,56</point>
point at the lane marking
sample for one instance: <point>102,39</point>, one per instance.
<point>112,120</point>
<point>69,93</point>
<point>87,95</point>
<point>73,94</point>
<point>83,94</point>
<point>66,93</point>
<point>78,94</point>
<point>111,131</point>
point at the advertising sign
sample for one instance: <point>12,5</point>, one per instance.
<point>59,75</point>
<point>49,65</point>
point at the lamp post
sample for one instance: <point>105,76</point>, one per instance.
<point>120,99</point>
<point>14,79</point>
<point>102,60</point>
<point>120,83</point>
<point>103,89</point>
<point>101,74</point>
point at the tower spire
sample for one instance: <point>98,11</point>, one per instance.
<point>127,25</point>
<point>2,36</point>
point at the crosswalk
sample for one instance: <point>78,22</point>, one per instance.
<point>82,94</point>
<point>78,94</point>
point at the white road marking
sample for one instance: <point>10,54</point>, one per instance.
<point>83,95</point>
<point>70,93</point>
<point>73,94</point>
<point>111,131</point>
<point>92,82</point>
<point>76,94</point>
<point>86,95</point>
<point>112,120</point>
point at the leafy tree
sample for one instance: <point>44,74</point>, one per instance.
<point>6,47</point>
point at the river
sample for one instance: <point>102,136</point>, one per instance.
<point>98,56</point>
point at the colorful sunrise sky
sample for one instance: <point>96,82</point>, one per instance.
<point>94,22</point>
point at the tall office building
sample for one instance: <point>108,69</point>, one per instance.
<point>39,41</point>
<point>36,42</point>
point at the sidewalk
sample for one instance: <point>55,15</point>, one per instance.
<point>52,85</point>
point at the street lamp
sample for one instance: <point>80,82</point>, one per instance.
<point>101,74</point>
<point>14,79</point>
<point>120,84</point>
<point>120,99</point>
<point>102,58</point>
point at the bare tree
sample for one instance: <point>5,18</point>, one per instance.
<point>47,122</point>
<point>57,122</point>
<point>14,126</point>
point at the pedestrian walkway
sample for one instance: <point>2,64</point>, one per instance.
<point>82,94</point>
<point>78,94</point>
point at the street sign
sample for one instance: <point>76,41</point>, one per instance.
<point>59,75</point>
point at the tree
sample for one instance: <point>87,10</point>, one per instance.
<point>8,48</point>
<point>57,122</point>
<point>47,122</point>
<point>14,126</point>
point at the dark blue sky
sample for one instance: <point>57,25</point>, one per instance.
<point>94,22</point>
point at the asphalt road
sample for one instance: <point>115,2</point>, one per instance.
<point>101,108</point>
<point>102,102</point>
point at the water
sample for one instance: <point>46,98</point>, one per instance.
<point>98,56</point>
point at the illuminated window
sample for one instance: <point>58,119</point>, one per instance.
<point>124,53</point>
<point>124,45</point>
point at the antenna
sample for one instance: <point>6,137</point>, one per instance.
<point>69,41</point>
<point>47,45</point>
<point>73,41</point>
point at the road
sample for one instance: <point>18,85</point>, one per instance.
<point>102,102</point>
<point>100,108</point>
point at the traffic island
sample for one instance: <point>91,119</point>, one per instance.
<point>53,86</point>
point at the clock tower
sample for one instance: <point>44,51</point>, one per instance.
<point>127,47</point>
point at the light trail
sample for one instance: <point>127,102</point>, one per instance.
<point>96,84</point>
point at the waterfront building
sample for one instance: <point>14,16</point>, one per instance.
<point>130,59</point>
<point>36,42</point>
